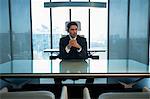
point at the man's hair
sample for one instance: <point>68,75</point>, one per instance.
<point>70,24</point>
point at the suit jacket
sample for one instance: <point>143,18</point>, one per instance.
<point>73,53</point>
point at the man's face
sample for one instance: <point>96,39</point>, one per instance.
<point>73,31</point>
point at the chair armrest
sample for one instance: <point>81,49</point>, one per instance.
<point>86,94</point>
<point>64,93</point>
<point>146,89</point>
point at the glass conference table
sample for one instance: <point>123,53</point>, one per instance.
<point>97,68</point>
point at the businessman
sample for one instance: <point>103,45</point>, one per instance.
<point>73,46</point>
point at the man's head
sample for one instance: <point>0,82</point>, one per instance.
<point>72,29</point>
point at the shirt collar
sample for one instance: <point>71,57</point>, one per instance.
<point>72,38</point>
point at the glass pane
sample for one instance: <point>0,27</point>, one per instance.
<point>58,24</point>
<point>118,29</point>
<point>98,28</point>
<point>81,14</point>
<point>21,29</point>
<point>5,50</point>
<point>59,0</point>
<point>138,33</point>
<point>40,29</point>
<point>79,0</point>
<point>99,1</point>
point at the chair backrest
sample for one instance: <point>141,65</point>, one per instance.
<point>125,95</point>
<point>27,95</point>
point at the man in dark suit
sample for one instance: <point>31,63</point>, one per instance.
<point>73,46</point>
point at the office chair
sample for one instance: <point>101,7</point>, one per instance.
<point>27,95</point>
<point>4,94</point>
<point>145,94</point>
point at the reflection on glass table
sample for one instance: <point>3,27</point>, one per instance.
<point>74,66</point>
<point>127,66</point>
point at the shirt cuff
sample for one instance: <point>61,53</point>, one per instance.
<point>79,50</point>
<point>67,49</point>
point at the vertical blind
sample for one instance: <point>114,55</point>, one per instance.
<point>15,30</point>
<point>128,30</point>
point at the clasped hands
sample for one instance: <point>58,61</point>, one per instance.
<point>74,43</point>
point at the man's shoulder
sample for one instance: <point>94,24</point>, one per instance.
<point>81,37</point>
<point>65,37</point>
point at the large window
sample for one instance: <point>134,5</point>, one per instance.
<point>40,29</point>
<point>48,25</point>
<point>58,24</point>
<point>83,18</point>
